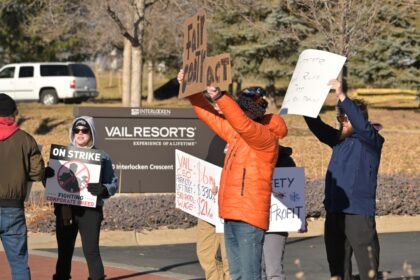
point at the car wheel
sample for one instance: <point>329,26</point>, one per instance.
<point>49,97</point>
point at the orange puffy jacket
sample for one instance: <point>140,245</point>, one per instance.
<point>245,186</point>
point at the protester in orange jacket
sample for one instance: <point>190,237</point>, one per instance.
<point>245,187</point>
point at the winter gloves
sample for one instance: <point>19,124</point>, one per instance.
<point>98,189</point>
<point>49,172</point>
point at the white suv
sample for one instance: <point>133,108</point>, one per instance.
<point>48,82</point>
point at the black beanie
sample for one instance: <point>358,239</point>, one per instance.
<point>7,105</point>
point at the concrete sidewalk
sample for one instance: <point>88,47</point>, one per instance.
<point>42,266</point>
<point>384,224</point>
<point>43,256</point>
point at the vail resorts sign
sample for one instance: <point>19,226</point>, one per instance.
<point>142,143</point>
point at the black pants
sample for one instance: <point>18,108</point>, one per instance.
<point>346,234</point>
<point>87,221</point>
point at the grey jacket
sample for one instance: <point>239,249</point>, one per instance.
<point>108,177</point>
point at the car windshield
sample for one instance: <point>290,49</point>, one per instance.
<point>81,70</point>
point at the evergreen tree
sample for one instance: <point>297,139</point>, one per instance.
<point>23,38</point>
<point>392,59</point>
<point>263,40</point>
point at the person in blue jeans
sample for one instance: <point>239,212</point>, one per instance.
<point>350,188</point>
<point>21,162</point>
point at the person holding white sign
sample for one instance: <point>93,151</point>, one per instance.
<point>350,188</point>
<point>72,219</point>
<point>245,187</point>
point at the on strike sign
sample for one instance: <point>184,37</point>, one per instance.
<point>74,169</point>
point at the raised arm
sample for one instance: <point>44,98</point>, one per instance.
<point>359,122</point>
<point>211,118</point>
<point>325,133</point>
<point>255,134</point>
<point>208,114</point>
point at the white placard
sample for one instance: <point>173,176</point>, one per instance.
<point>194,180</point>
<point>287,211</point>
<point>74,169</point>
<point>308,87</point>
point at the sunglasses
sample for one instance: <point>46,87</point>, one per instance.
<point>82,130</point>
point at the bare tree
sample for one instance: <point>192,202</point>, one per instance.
<point>126,74</point>
<point>164,35</point>
<point>135,35</point>
<point>342,24</point>
<point>84,21</point>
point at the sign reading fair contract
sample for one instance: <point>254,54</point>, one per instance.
<point>195,179</point>
<point>74,169</point>
<point>218,71</point>
<point>308,87</point>
<point>201,71</point>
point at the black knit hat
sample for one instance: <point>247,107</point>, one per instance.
<point>7,105</point>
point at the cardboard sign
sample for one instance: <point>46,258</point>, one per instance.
<point>74,169</point>
<point>194,54</point>
<point>287,211</point>
<point>218,71</point>
<point>195,179</point>
<point>201,71</point>
<point>308,87</point>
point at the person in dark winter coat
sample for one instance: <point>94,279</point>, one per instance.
<point>350,188</point>
<point>21,162</point>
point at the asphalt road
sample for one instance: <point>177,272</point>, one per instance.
<point>396,249</point>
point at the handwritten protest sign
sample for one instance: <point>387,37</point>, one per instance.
<point>195,179</point>
<point>218,71</point>
<point>287,211</point>
<point>201,71</point>
<point>308,87</point>
<point>194,53</point>
<point>74,169</point>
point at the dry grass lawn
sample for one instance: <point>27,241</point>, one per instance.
<point>401,152</point>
